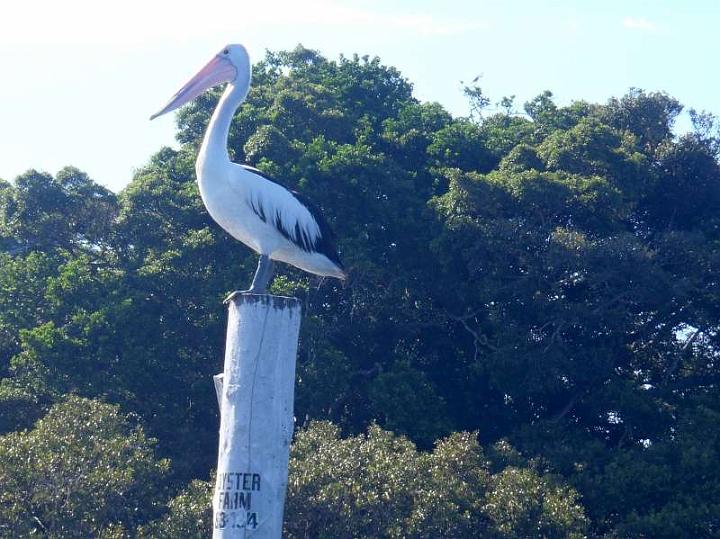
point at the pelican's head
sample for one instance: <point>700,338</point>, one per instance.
<point>231,64</point>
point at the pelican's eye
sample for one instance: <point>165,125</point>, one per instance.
<point>226,51</point>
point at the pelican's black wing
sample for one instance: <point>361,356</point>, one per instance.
<point>323,243</point>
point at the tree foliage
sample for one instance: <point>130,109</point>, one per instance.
<point>82,471</point>
<point>547,280</point>
<point>378,485</point>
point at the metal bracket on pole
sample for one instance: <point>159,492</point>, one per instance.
<point>218,381</point>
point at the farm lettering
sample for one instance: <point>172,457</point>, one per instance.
<point>238,481</point>
<point>234,500</point>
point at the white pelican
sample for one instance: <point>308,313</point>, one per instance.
<point>277,223</point>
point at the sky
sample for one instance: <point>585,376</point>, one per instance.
<point>80,78</point>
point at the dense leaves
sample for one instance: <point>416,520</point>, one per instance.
<point>547,280</point>
<point>82,471</point>
<point>379,485</point>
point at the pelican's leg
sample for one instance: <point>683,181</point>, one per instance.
<point>263,273</point>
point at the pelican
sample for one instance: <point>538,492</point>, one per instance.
<point>277,223</point>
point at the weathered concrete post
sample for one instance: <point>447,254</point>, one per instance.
<point>256,416</point>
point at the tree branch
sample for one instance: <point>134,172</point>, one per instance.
<point>478,338</point>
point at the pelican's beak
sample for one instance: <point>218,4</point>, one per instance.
<point>217,70</point>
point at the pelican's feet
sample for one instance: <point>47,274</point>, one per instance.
<point>250,290</point>
<point>232,295</point>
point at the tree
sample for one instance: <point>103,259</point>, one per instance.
<point>378,485</point>
<point>547,279</point>
<point>83,470</point>
<point>71,211</point>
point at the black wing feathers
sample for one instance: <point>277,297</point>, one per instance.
<point>323,244</point>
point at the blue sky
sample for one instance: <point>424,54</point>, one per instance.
<point>81,77</point>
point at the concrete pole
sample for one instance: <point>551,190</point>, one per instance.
<point>256,394</point>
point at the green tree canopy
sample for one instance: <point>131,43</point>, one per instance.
<point>378,485</point>
<point>545,278</point>
<point>82,471</point>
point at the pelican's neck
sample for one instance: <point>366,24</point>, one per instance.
<point>214,145</point>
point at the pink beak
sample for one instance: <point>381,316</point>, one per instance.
<point>217,70</point>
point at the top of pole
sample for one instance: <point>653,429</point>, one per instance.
<point>277,302</point>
